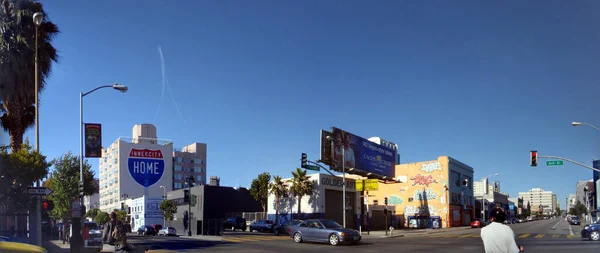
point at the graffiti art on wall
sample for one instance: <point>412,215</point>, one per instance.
<point>424,210</point>
<point>395,200</point>
<point>428,194</point>
<point>403,189</point>
<point>431,167</point>
<point>423,180</point>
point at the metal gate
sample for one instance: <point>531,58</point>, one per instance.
<point>14,225</point>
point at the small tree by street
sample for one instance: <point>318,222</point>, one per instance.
<point>259,189</point>
<point>279,190</point>
<point>301,186</point>
<point>92,213</point>
<point>101,218</point>
<point>168,209</point>
<point>578,210</point>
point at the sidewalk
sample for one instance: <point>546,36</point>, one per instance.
<point>408,232</point>
<point>210,238</point>
<point>56,246</point>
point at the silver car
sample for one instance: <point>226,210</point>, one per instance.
<point>322,230</point>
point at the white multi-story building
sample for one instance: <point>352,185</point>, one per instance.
<point>539,200</point>
<point>93,201</point>
<point>571,201</point>
<point>190,161</point>
<point>135,167</point>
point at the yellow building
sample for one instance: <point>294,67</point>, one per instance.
<point>429,194</point>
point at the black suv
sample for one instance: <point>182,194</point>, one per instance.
<point>575,221</point>
<point>235,223</point>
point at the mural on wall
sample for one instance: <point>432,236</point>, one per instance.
<point>395,200</point>
<point>431,167</point>
<point>427,195</point>
<point>424,210</point>
<point>423,180</point>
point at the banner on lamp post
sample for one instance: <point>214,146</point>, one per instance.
<point>93,140</point>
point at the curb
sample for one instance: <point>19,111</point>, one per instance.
<point>391,236</point>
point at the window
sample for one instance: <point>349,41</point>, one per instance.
<point>455,178</point>
<point>179,159</point>
<point>199,178</point>
<point>177,176</point>
<point>198,168</point>
<point>178,168</point>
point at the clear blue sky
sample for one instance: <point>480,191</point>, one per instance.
<point>481,81</point>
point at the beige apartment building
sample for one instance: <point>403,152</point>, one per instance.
<point>190,161</point>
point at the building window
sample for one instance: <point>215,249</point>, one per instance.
<point>197,161</point>
<point>455,177</point>
<point>177,176</point>
<point>199,178</point>
<point>178,168</point>
<point>179,159</point>
<point>198,169</point>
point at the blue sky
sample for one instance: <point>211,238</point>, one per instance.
<point>481,81</point>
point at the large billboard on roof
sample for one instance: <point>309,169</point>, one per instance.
<point>361,156</point>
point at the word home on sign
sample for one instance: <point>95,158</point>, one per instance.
<point>146,167</point>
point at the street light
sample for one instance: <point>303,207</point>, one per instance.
<point>575,123</point>
<point>483,196</point>
<point>329,138</point>
<point>77,220</point>
<point>38,17</point>
<point>189,182</point>
<point>164,198</point>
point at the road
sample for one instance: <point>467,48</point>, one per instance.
<point>538,236</point>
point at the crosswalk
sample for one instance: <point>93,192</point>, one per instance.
<point>254,238</point>
<point>519,236</point>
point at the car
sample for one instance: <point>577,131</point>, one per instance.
<point>323,230</point>
<point>95,238</point>
<point>167,231</point>
<point>575,221</point>
<point>146,230</point>
<point>235,223</point>
<point>477,224</point>
<point>262,226</point>
<point>591,231</point>
<point>282,228</point>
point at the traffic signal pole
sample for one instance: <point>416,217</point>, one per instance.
<point>571,161</point>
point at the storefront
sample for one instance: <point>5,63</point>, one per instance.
<point>429,194</point>
<point>325,202</point>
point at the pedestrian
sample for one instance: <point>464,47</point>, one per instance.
<point>497,237</point>
<point>114,234</point>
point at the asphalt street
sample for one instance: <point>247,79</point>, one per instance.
<point>554,235</point>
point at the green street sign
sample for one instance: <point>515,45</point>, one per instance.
<point>554,163</point>
<point>313,167</point>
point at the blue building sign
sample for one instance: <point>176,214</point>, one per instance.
<point>146,166</point>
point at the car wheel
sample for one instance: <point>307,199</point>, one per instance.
<point>297,238</point>
<point>594,236</point>
<point>276,232</point>
<point>334,240</point>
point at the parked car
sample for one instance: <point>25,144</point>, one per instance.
<point>167,231</point>
<point>322,230</point>
<point>146,230</point>
<point>262,226</point>
<point>95,238</point>
<point>477,224</point>
<point>235,223</point>
<point>575,221</point>
<point>282,228</point>
<point>591,231</point>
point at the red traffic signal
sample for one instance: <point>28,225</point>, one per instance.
<point>533,159</point>
<point>48,205</point>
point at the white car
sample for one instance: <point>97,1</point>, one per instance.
<point>167,231</point>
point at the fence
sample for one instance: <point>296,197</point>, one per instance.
<point>212,227</point>
<point>248,216</point>
<point>13,225</point>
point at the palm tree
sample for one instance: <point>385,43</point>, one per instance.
<point>279,190</point>
<point>17,64</point>
<point>302,185</point>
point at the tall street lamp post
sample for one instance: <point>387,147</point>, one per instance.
<point>164,198</point>
<point>77,239</point>
<point>38,17</point>
<point>190,181</point>
<point>483,197</point>
<point>575,123</point>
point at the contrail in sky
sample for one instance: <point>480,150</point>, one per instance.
<point>165,82</point>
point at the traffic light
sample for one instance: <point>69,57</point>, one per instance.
<point>186,196</point>
<point>48,205</point>
<point>385,201</point>
<point>304,161</point>
<point>81,188</point>
<point>533,159</point>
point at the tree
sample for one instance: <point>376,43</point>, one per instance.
<point>92,213</point>
<point>302,185</point>
<point>121,215</point>
<point>17,65</point>
<point>23,167</point>
<point>578,210</point>
<point>259,189</point>
<point>279,190</point>
<point>101,218</point>
<point>558,211</point>
<point>168,209</point>
<point>65,184</point>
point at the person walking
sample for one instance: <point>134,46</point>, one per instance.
<point>114,234</point>
<point>497,237</point>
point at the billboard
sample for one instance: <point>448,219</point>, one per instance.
<point>496,186</point>
<point>596,178</point>
<point>511,206</point>
<point>146,166</point>
<point>93,140</point>
<point>361,155</point>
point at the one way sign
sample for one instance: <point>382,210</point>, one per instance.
<point>39,191</point>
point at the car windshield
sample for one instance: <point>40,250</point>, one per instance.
<point>330,224</point>
<point>91,226</point>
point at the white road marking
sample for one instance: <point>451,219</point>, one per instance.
<point>571,230</point>
<point>556,224</point>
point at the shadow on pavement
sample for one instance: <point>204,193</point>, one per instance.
<point>176,245</point>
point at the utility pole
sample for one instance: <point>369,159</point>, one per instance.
<point>190,181</point>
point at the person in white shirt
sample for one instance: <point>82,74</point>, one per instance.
<point>497,237</point>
